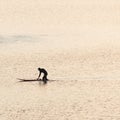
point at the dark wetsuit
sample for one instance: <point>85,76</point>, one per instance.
<point>42,70</point>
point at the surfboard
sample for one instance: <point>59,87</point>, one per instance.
<point>28,80</point>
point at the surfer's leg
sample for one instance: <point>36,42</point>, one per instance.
<point>44,79</point>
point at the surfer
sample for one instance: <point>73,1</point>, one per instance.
<point>42,70</point>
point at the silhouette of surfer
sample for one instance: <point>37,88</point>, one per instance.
<point>42,70</point>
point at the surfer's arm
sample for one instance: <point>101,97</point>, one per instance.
<point>39,75</point>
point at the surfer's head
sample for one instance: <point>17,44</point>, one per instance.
<point>39,69</point>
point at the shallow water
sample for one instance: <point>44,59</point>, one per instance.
<point>84,80</point>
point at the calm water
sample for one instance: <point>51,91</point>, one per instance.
<point>86,74</point>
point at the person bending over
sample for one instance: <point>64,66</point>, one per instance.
<point>42,70</point>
